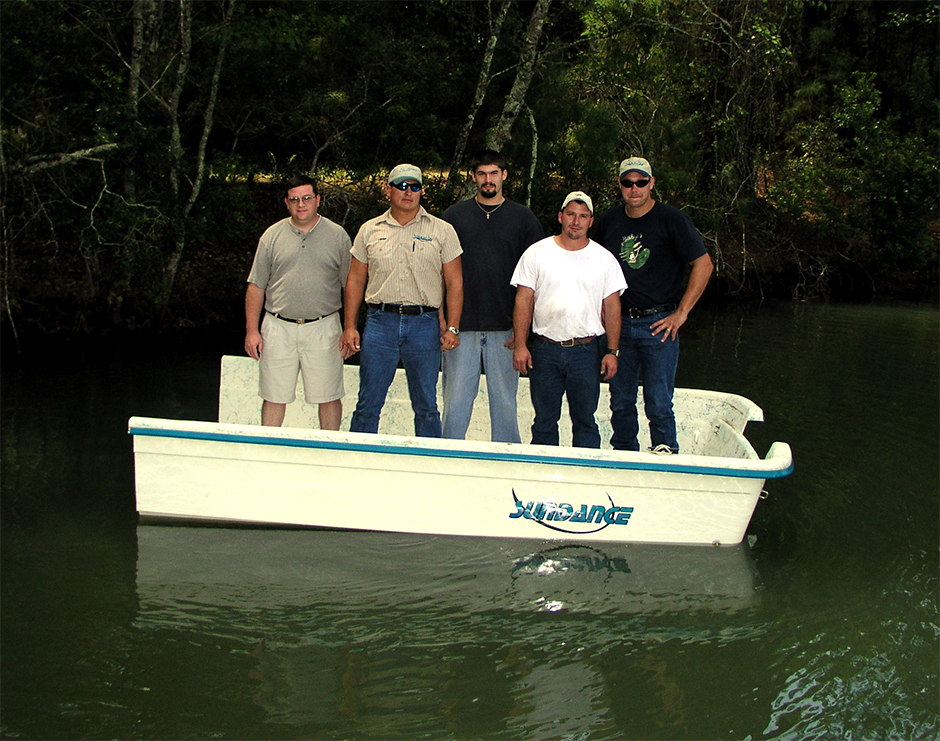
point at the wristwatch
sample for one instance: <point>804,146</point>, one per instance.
<point>615,353</point>
<point>453,330</point>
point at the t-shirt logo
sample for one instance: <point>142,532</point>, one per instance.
<point>632,251</point>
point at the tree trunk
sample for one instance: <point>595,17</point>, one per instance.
<point>535,157</point>
<point>483,82</point>
<point>524,75</point>
<point>182,210</point>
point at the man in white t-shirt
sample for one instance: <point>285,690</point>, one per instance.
<point>568,294</point>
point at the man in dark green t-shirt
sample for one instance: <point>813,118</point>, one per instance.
<point>654,243</point>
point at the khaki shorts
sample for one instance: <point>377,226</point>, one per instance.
<point>310,349</point>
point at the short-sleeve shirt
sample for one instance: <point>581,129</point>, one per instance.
<point>570,287</point>
<point>493,240</point>
<point>302,275</point>
<point>406,262</point>
<point>653,251</point>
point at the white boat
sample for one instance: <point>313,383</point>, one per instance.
<point>235,471</point>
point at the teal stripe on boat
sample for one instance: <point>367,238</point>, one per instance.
<point>660,465</point>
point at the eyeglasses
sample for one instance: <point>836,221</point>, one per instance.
<point>415,187</point>
<point>626,183</point>
<point>297,199</point>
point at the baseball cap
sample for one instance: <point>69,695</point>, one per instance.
<point>638,164</point>
<point>579,195</point>
<point>403,172</point>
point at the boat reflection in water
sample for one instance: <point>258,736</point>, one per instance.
<point>329,620</point>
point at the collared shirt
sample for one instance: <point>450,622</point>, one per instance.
<point>302,275</point>
<point>406,262</point>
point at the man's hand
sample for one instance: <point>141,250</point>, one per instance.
<point>449,341</point>
<point>349,343</point>
<point>669,325</point>
<point>254,344</point>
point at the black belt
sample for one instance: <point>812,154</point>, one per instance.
<point>568,343</point>
<point>409,309</point>
<point>299,321</point>
<point>640,313</point>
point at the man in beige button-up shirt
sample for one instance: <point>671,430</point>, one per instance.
<point>404,263</point>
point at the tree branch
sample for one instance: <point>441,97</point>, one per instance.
<point>44,162</point>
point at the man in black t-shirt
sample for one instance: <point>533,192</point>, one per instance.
<point>494,232</point>
<point>654,243</point>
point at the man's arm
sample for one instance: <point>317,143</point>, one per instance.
<point>254,305</point>
<point>521,323</point>
<point>453,297</point>
<point>353,294</point>
<point>612,323</point>
<point>698,279</point>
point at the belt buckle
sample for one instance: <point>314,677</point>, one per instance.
<point>568,343</point>
<point>300,321</point>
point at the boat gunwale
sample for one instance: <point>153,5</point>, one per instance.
<point>770,467</point>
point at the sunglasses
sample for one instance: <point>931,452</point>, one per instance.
<point>415,187</point>
<point>296,199</point>
<point>626,183</point>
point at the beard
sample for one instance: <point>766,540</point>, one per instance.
<point>488,191</point>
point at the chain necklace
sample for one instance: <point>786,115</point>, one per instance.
<point>487,211</point>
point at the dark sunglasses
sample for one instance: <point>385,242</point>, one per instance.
<point>624,182</point>
<point>415,187</point>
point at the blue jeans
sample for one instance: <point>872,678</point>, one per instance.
<point>461,383</point>
<point>657,360</point>
<point>575,373</point>
<point>416,340</point>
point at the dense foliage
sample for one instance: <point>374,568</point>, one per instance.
<point>143,142</point>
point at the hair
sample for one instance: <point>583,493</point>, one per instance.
<point>487,157</point>
<point>300,180</point>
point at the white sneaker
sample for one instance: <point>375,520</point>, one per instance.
<point>662,449</point>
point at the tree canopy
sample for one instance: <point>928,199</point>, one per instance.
<point>144,142</point>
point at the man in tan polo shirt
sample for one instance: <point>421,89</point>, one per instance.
<point>401,263</point>
<point>296,282</point>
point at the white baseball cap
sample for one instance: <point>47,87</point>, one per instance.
<point>403,172</point>
<point>579,195</point>
<point>636,164</point>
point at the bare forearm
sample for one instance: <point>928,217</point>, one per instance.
<point>453,292</point>
<point>354,293</point>
<point>698,280</point>
<point>612,320</point>
<point>254,303</point>
<point>522,315</point>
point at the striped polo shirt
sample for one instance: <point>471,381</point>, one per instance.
<point>406,262</point>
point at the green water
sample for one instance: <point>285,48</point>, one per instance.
<point>824,625</point>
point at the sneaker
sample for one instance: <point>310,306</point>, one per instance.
<point>662,449</point>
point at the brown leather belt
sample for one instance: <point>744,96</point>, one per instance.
<point>568,343</point>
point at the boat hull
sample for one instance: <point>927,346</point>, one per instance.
<point>232,472</point>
